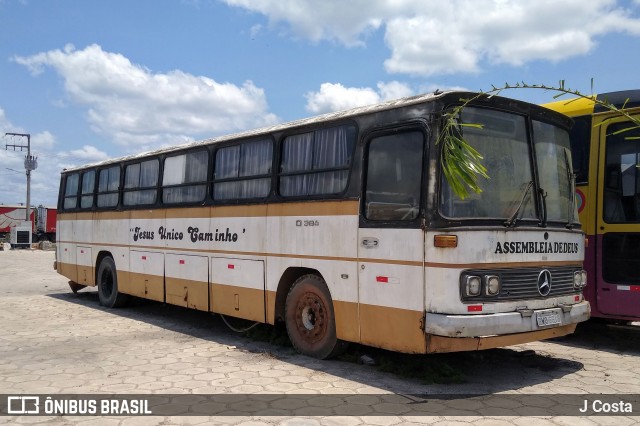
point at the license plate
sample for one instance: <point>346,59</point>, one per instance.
<point>547,318</point>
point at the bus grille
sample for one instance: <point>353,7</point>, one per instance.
<point>522,283</point>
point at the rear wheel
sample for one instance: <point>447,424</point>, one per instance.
<point>310,319</point>
<point>108,285</point>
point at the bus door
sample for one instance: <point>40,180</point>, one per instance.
<point>391,241</point>
<point>618,220</point>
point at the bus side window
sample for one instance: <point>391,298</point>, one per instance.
<point>185,178</point>
<point>613,209</point>
<point>86,191</point>
<point>71,191</point>
<point>394,175</point>
<point>318,162</point>
<point>108,182</point>
<point>622,176</point>
<point>140,180</point>
<point>580,137</point>
<point>243,171</point>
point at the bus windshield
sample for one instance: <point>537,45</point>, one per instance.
<point>553,156</point>
<point>510,191</point>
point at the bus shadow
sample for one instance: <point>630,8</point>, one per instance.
<point>479,373</point>
<point>604,336</point>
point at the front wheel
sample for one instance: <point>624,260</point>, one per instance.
<point>108,292</point>
<point>310,319</point>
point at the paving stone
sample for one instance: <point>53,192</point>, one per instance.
<point>56,342</point>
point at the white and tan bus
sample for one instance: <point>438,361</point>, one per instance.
<point>343,228</point>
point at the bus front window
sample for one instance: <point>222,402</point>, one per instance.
<point>553,156</point>
<point>503,143</point>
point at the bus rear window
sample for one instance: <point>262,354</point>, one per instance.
<point>71,191</point>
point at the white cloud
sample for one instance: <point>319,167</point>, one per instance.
<point>394,90</point>
<point>4,123</point>
<point>336,97</point>
<point>425,46</point>
<point>44,140</point>
<point>435,37</point>
<point>345,22</point>
<point>87,153</point>
<point>136,107</point>
<point>45,179</point>
<point>255,30</point>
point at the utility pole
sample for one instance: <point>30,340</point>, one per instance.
<point>30,163</point>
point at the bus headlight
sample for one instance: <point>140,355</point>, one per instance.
<point>580,279</point>
<point>492,283</point>
<point>473,285</point>
<point>577,279</point>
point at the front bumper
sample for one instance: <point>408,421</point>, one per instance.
<point>502,323</point>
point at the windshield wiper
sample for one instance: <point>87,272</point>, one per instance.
<point>514,217</point>
<point>543,202</point>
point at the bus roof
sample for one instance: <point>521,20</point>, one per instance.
<point>586,106</point>
<point>426,97</point>
<point>392,104</point>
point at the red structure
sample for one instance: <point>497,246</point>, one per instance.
<point>43,221</point>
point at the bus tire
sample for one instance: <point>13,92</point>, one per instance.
<point>310,319</point>
<point>108,292</point>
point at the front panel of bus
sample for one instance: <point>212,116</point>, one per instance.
<point>617,217</point>
<point>507,260</point>
<point>605,159</point>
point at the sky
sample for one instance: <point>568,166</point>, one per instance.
<point>92,80</point>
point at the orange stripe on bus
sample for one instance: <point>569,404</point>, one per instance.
<point>315,208</point>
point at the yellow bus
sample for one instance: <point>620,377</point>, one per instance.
<point>343,228</point>
<point>606,160</point>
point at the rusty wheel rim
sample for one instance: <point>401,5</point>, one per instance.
<point>311,317</point>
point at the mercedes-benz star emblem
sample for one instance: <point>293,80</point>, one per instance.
<point>544,282</point>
